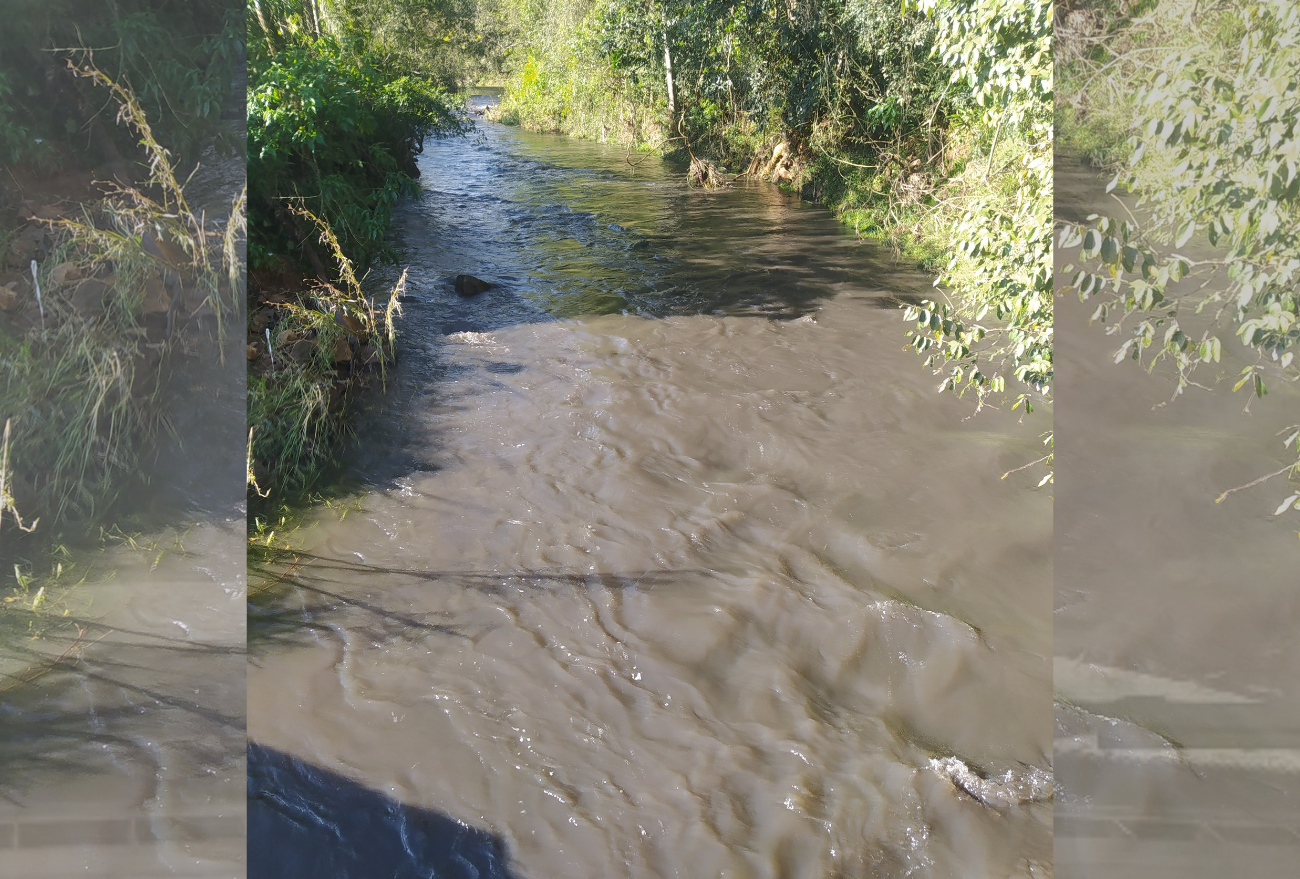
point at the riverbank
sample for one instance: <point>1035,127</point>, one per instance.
<point>122,620</point>
<point>325,173</point>
<point>105,295</point>
<point>904,137</point>
<point>118,267</point>
<point>311,349</point>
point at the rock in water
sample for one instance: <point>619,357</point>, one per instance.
<point>468,285</point>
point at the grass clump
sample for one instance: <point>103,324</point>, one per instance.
<point>96,301</point>
<point>307,354</point>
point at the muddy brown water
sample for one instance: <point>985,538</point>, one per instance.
<point>664,559</point>
<point>1178,736</point>
<point>122,735</point>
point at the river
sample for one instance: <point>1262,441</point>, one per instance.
<point>1178,737</point>
<point>662,558</point>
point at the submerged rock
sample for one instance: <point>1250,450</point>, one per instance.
<point>1013,788</point>
<point>468,285</point>
<point>450,328</point>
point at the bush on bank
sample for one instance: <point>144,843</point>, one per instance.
<point>92,311</point>
<point>335,121</point>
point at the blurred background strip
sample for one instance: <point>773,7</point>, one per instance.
<point>1177,746</point>
<point>122,403</point>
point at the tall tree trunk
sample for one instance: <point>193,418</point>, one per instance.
<point>668,69</point>
<point>312,15</point>
<point>266,31</point>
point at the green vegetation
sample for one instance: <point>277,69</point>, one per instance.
<point>332,127</point>
<point>927,125</point>
<point>336,116</point>
<point>83,362</point>
<point>101,286</point>
<point>1194,107</point>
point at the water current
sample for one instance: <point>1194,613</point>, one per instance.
<point>664,559</point>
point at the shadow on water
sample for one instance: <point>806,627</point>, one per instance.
<point>308,822</point>
<point>70,714</point>
<point>81,696</point>
<point>302,596</point>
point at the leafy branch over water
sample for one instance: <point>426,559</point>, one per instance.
<point>1208,147</point>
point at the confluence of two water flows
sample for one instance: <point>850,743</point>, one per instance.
<point>122,735</point>
<point>1178,737</point>
<point>669,560</point>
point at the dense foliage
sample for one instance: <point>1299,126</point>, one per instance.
<point>446,42</point>
<point>1210,149</point>
<point>1002,264</point>
<point>842,76</point>
<point>333,127</point>
<point>342,94</point>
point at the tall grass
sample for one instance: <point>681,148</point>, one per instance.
<point>7,504</point>
<point>80,387</point>
<point>322,346</point>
